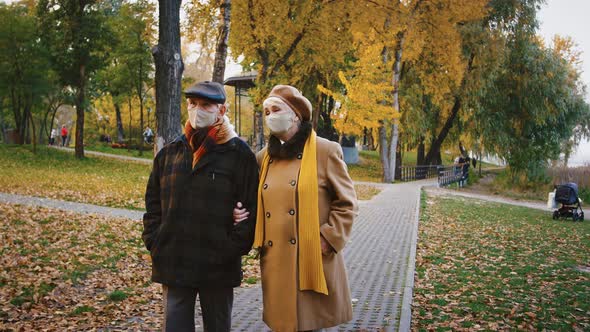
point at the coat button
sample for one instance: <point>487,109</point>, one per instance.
<point>268,214</point>
<point>293,241</point>
<point>299,156</point>
<point>270,161</point>
<point>265,186</point>
<point>293,182</point>
<point>270,243</point>
<point>291,212</point>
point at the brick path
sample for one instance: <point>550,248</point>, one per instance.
<point>379,258</point>
<point>70,206</point>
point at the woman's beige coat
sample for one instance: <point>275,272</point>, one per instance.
<point>286,308</point>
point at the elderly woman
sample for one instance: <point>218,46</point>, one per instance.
<point>306,206</point>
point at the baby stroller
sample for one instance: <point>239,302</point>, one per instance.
<point>567,196</point>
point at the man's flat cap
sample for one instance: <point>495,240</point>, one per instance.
<point>207,90</point>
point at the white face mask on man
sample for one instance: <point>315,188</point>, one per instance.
<point>199,118</point>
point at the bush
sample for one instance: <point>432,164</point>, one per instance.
<point>578,175</point>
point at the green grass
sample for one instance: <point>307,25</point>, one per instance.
<point>500,267</point>
<point>58,174</point>
<point>82,309</point>
<point>368,169</point>
<point>101,181</point>
<point>118,295</point>
<point>518,188</point>
<point>251,280</point>
<point>26,295</point>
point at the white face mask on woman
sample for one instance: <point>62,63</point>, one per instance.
<point>280,122</point>
<point>279,116</point>
<point>200,118</point>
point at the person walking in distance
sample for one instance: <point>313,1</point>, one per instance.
<point>64,135</point>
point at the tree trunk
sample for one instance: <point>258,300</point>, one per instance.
<point>169,68</point>
<point>130,118</point>
<point>26,137</point>
<point>2,131</point>
<point>79,148</point>
<point>393,142</point>
<point>140,128</point>
<point>140,96</point>
<point>420,153</point>
<point>434,151</point>
<point>259,142</point>
<point>396,79</point>
<point>120,130</point>
<point>20,118</point>
<point>462,150</point>
<point>54,104</point>
<point>222,39</point>
<point>34,140</point>
<point>43,125</point>
<point>327,131</point>
<point>257,125</point>
<point>316,111</point>
<point>371,140</point>
<point>383,153</point>
<point>53,116</point>
<point>398,162</point>
<point>479,162</point>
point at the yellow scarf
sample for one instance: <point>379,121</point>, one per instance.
<point>311,270</point>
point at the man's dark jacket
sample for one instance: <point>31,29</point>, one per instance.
<point>188,226</point>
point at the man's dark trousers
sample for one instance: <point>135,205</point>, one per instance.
<point>179,308</point>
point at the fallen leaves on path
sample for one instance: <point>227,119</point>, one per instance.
<point>365,192</point>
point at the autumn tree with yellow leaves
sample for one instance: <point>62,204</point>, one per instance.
<point>390,39</point>
<point>289,42</point>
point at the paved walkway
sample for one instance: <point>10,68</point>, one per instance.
<point>380,259</point>
<point>70,206</point>
<point>109,155</point>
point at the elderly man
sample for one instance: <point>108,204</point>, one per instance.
<point>188,226</point>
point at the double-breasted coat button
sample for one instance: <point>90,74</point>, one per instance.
<point>270,243</point>
<point>265,186</point>
<point>268,214</point>
<point>293,241</point>
<point>293,182</point>
<point>299,156</point>
<point>291,212</point>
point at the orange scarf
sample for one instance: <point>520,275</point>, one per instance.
<point>203,139</point>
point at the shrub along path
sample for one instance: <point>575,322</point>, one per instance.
<point>489,198</point>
